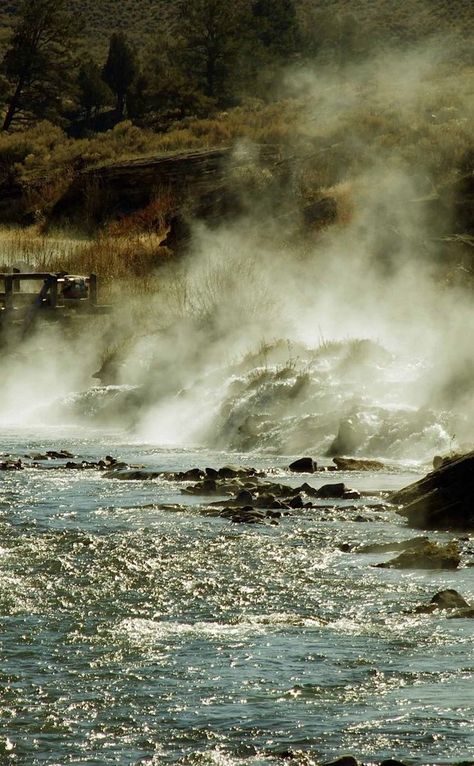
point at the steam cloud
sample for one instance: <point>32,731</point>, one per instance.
<point>251,342</point>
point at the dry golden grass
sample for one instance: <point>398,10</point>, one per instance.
<point>130,260</point>
<point>29,247</point>
<point>118,260</point>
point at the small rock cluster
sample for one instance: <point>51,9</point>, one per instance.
<point>10,463</point>
<point>308,465</point>
<point>59,459</point>
<point>255,501</point>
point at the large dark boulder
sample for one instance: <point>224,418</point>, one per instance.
<point>304,465</point>
<point>443,499</point>
<point>332,490</point>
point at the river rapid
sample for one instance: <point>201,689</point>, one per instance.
<point>138,628</point>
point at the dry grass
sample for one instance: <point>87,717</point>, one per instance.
<point>31,247</point>
<point>132,261</point>
<point>118,260</point>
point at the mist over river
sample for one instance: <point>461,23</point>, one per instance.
<point>309,295</point>
<point>138,627</point>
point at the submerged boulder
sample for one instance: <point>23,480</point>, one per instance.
<point>236,471</point>
<point>357,464</point>
<point>448,599</point>
<point>400,545</point>
<point>444,599</point>
<point>332,490</point>
<point>427,555</point>
<point>443,499</point>
<point>250,515</point>
<point>459,614</point>
<point>343,760</point>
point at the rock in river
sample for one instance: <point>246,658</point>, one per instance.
<point>304,465</point>
<point>444,599</point>
<point>443,499</point>
<point>357,464</point>
<point>459,614</point>
<point>427,555</point>
<point>337,491</point>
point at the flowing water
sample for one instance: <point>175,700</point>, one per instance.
<point>137,628</point>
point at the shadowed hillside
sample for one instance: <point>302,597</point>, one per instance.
<point>148,18</point>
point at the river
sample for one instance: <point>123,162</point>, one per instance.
<point>134,633</point>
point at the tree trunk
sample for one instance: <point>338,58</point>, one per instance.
<point>13,106</point>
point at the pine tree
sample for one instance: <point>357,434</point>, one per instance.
<point>276,25</point>
<point>39,64</point>
<point>120,70</point>
<point>211,35</point>
<point>93,93</point>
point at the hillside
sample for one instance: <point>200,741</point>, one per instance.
<point>149,17</point>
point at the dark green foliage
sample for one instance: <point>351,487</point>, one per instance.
<point>212,33</point>
<point>195,55</point>
<point>4,88</point>
<point>120,70</point>
<point>336,38</point>
<point>276,25</point>
<point>93,92</point>
<point>172,90</point>
<point>138,97</point>
<point>38,64</point>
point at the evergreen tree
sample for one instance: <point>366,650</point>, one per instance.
<point>211,36</point>
<point>276,25</point>
<point>315,28</point>
<point>120,70</point>
<point>38,64</point>
<point>172,91</point>
<point>138,97</point>
<point>93,92</point>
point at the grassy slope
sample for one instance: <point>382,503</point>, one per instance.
<point>142,19</point>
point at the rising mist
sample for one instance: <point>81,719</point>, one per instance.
<point>349,338</point>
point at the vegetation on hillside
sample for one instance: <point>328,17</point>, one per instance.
<point>323,86</point>
<point>196,57</point>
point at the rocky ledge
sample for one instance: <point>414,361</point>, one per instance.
<point>444,498</point>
